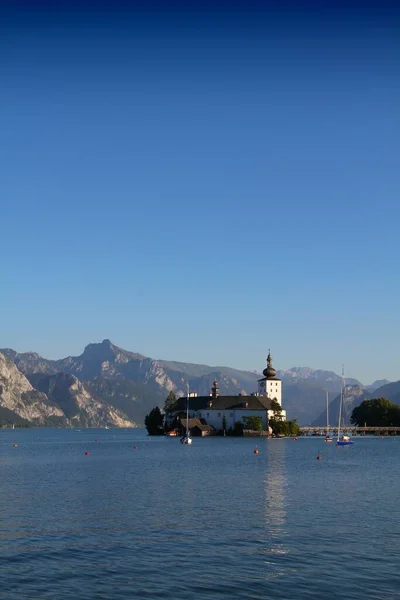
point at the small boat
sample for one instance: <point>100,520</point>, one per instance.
<point>186,439</point>
<point>343,440</point>
<point>327,437</point>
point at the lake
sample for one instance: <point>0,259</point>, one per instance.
<point>213,520</point>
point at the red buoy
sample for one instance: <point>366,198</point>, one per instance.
<point>319,457</point>
<point>86,453</point>
<point>294,439</point>
<point>256,451</point>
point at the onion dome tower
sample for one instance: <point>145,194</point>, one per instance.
<point>269,372</point>
<point>270,385</point>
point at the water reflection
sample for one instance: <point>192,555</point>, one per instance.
<point>275,511</point>
<point>275,483</point>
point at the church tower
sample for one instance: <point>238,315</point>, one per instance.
<point>270,385</point>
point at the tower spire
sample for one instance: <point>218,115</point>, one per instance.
<point>269,372</point>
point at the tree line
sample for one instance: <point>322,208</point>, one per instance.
<point>378,412</point>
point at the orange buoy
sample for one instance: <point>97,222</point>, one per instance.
<point>256,451</point>
<point>86,453</point>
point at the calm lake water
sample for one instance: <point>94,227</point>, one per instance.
<point>209,521</point>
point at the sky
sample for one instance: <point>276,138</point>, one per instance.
<point>202,181</point>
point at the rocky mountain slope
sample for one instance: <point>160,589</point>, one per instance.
<point>20,401</point>
<point>133,383</point>
<point>78,404</point>
<point>58,400</point>
<point>353,396</point>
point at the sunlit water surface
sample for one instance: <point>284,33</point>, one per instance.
<point>213,520</point>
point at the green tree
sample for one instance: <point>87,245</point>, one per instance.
<point>253,423</point>
<point>154,422</point>
<point>378,412</point>
<point>285,428</point>
<point>276,407</point>
<point>169,402</point>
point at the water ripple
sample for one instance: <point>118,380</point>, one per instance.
<point>210,521</point>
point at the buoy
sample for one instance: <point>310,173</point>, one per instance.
<point>294,439</point>
<point>319,457</point>
<point>15,445</point>
<point>135,447</point>
<point>256,451</point>
<point>86,453</point>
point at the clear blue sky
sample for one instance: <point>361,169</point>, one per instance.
<point>204,185</point>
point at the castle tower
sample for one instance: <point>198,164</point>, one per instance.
<point>215,390</point>
<point>270,385</point>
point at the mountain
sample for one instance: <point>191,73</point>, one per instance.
<point>19,400</point>
<point>78,404</point>
<point>377,384</point>
<point>353,396</point>
<point>328,380</point>
<point>134,384</point>
<point>391,391</point>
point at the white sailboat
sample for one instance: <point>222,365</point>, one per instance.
<point>343,440</point>
<point>327,437</point>
<point>186,438</point>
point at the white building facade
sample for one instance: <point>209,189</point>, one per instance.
<point>219,411</point>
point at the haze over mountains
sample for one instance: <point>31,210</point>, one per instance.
<point>107,385</point>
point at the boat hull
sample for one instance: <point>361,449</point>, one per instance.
<point>342,443</point>
<point>186,440</point>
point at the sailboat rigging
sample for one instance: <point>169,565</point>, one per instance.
<point>327,437</point>
<point>343,440</point>
<point>186,438</point>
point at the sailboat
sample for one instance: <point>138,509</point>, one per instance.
<point>327,437</point>
<point>344,440</point>
<point>186,438</point>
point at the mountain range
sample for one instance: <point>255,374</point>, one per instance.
<point>107,385</point>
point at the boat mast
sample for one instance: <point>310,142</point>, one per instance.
<point>327,412</point>
<point>187,411</point>
<point>340,405</point>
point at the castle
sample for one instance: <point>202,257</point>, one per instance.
<point>214,412</point>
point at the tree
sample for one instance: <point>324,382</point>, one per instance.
<point>169,402</point>
<point>378,412</point>
<point>238,428</point>
<point>253,423</point>
<point>276,407</point>
<point>154,422</point>
<point>285,428</point>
